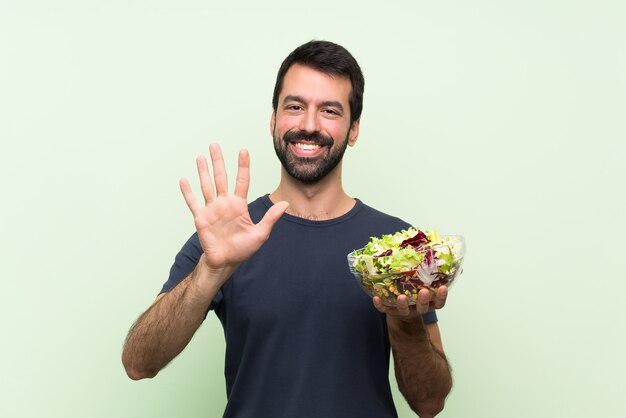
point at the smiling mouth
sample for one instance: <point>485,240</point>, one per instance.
<point>307,146</point>
<point>306,149</point>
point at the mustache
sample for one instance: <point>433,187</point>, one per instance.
<point>315,137</point>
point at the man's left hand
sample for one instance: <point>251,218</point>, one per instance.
<point>426,300</point>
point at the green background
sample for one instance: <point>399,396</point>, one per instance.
<point>503,121</point>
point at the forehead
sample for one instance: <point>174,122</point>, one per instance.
<point>315,86</point>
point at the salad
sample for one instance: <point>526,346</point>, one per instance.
<point>407,261</point>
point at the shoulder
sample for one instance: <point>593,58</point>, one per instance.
<point>368,222</point>
<point>259,207</point>
<point>382,220</point>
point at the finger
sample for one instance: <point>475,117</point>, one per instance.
<point>243,174</point>
<point>264,227</point>
<point>440,297</point>
<point>424,297</point>
<point>190,199</point>
<point>382,307</point>
<point>378,304</point>
<point>402,305</point>
<point>206,185</point>
<point>219,170</point>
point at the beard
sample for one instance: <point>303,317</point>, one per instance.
<point>309,170</point>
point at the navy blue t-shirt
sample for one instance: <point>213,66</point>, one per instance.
<point>302,338</point>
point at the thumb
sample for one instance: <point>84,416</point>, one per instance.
<point>271,217</point>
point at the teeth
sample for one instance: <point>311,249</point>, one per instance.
<point>307,146</point>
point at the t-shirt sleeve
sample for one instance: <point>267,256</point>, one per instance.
<point>184,263</point>
<point>430,317</point>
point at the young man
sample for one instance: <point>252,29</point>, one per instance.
<point>302,339</point>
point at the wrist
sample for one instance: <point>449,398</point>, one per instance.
<point>407,327</point>
<point>406,321</point>
<point>209,279</point>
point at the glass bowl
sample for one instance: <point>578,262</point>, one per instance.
<point>434,271</point>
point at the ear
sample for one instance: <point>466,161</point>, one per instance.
<point>354,132</point>
<point>272,123</point>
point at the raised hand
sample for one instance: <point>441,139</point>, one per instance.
<point>227,234</point>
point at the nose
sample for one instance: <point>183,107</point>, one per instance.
<point>310,121</point>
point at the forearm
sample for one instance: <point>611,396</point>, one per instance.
<point>422,371</point>
<point>166,328</point>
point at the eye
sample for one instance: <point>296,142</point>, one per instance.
<point>331,112</point>
<point>293,107</point>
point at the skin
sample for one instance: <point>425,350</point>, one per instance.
<point>311,112</point>
<point>310,101</point>
<point>228,236</point>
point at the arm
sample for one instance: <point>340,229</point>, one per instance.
<point>166,328</point>
<point>228,237</point>
<point>421,367</point>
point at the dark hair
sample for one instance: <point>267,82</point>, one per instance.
<point>331,59</point>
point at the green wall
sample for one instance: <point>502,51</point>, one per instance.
<point>503,121</point>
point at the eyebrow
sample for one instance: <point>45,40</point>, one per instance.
<point>329,103</point>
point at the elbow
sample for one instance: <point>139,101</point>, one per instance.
<point>433,405</point>
<point>429,409</point>
<point>137,373</point>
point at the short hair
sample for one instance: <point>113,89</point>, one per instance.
<point>329,58</point>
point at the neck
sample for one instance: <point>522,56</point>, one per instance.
<point>323,200</point>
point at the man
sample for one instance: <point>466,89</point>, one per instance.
<point>302,339</point>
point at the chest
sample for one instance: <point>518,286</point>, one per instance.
<point>299,281</point>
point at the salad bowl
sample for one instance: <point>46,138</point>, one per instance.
<point>406,262</point>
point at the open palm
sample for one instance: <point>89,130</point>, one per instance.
<point>227,234</point>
